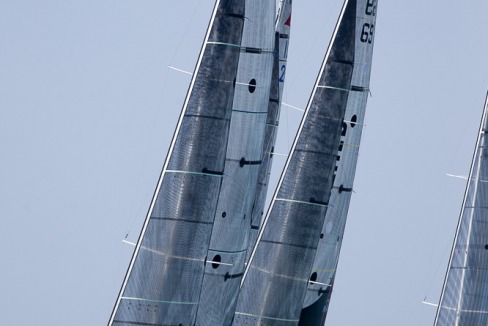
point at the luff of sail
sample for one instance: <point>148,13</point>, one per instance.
<point>283,26</point>
<point>464,298</point>
<point>275,282</point>
<point>163,282</point>
<point>319,289</point>
<point>230,233</point>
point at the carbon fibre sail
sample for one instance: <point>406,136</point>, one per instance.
<point>163,282</point>
<point>230,233</point>
<point>319,288</point>
<point>283,25</point>
<point>464,298</point>
<point>275,282</point>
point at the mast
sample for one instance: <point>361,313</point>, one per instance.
<point>232,223</point>
<point>163,281</point>
<point>319,288</point>
<point>275,280</point>
<point>283,25</point>
<point>464,297</point>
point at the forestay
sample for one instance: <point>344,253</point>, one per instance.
<point>163,282</point>
<point>230,234</point>
<point>275,281</point>
<point>464,298</point>
<point>319,287</point>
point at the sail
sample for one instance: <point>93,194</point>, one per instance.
<point>163,282</point>
<point>319,288</point>
<point>230,233</point>
<point>275,280</point>
<point>464,298</point>
<point>283,25</point>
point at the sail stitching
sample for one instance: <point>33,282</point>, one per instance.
<point>300,202</point>
<point>250,112</point>
<point>352,89</point>
<point>246,49</point>
<point>265,317</point>
<point>196,173</point>
<point>158,301</point>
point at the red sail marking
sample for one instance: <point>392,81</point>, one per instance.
<point>288,21</point>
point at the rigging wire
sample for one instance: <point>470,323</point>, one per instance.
<point>459,148</point>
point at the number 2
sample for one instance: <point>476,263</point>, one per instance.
<point>282,75</point>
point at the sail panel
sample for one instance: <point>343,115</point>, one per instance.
<point>230,232</point>
<point>282,40</point>
<point>163,283</point>
<point>464,299</point>
<point>326,260</point>
<point>279,269</point>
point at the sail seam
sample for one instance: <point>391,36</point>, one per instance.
<point>352,89</point>
<point>301,202</point>
<point>250,112</point>
<point>137,323</point>
<point>245,49</point>
<point>179,220</point>
<point>289,244</point>
<point>265,317</point>
<point>158,301</point>
<point>205,117</point>
<point>228,251</point>
<point>196,173</point>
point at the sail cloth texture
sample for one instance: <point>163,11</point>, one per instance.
<point>464,299</point>
<point>283,26</point>
<point>230,233</point>
<point>316,302</point>
<point>163,283</point>
<point>275,282</point>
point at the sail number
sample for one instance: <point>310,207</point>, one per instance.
<point>367,32</point>
<point>283,66</point>
<point>371,8</point>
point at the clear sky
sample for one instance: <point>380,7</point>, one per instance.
<point>88,107</point>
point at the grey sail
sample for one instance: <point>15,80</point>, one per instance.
<point>464,298</point>
<point>230,233</point>
<point>283,25</point>
<point>163,281</point>
<point>275,280</point>
<point>319,288</point>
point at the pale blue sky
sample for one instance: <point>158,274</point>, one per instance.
<point>87,111</point>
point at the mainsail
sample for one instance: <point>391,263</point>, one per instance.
<point>281,266</point>
<point>230,233</point>
<point>163,282</point>
<point>283,25</point>
<point>464,298</point>
<point>324,268</point>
